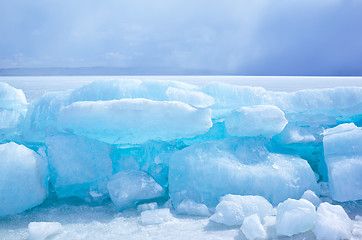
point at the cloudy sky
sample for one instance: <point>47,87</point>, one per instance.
<point>244,37</point>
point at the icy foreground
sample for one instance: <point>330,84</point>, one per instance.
<point>245,160</point>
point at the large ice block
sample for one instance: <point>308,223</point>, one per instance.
<point>242,166</point>
<point>80,167</point>
<point>23,179</point>
<point>134,121</point>
<point>343,156</point>
<point>265,120</point>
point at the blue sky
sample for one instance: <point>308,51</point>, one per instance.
<point>259,37</point>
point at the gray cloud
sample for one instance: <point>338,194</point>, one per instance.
<point>262,37</point>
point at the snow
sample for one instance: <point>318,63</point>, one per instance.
<point>23,179</point>
<point>252,228</point>
<point>156,216</point>
<point>233,209</point>
<point>43,230</point>
<point>332,223</point>
<point>128,187</point>
<point>124,121</point>
<point>343,156</point>
<point>295,216</point>
<point>191,208</point>
<point>265,120</point>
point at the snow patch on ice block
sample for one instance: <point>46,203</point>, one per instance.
<point>127,188</point>
<point>189,207</point>
<point>79,166</point>
<point>23,179</point>
<point>252,228</point>
<point>295,216</point>
<point>43,230</point>
<point>196,99</point>
<point>134,121</point>
<point>242,166</point>
<point>332,223</point>
<point>158,216</point>
<point>233,209</point>
<point>265,120</point>
<point>343,156</point>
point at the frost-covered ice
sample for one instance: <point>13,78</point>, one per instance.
<point>147,206</point>
<point>343,156</point>
<point>127,188</point>
<point>261,120</point>
<point>189,207</point>
<point>252,228</point>
<point>43,230</point>
<point>332,223</point>
<point>23,179</point>
<point>233,209</point>
<point>157,216</point>
<point>295,216</point>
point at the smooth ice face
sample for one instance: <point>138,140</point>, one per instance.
<point>127,188</point>
<point>43,230</point>
<point>233,209</point>
<point>311,197</point>
<point>265,120</point>
<point>23,179</point>
<point>134,121</point>
<point>252,228</point>
<point>158,216</point>
<point>79,166</point>
<point>189,207</point>
<point>332,223</point>
<point>295,216</point>
<point>207,171</point>
<point>343,156</point>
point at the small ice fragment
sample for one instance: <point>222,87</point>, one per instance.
<point>234,208</point>
<point>311,197</point>
<point>156,216</point>
<point>252,228</point>
<point>332,223</point>
<point>43,230</point>
<point>189,207</point>
<point>147,206</point>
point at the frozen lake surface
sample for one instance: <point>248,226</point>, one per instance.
<point>34,87</point>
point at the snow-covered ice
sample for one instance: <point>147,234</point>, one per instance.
<point>252,228</point>
<point>157,216</point>
<point>189,207</point>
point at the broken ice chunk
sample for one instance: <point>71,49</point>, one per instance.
<point>43,230</point>
<point>234,208</point>
<point>189,207</point>
<point>295,216</point>
<point>147,206</point>
<point>311,197</point>
<point>252,228</point>
<point>332,223</point>
<point>157,216</point>
<point>128,187</point>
